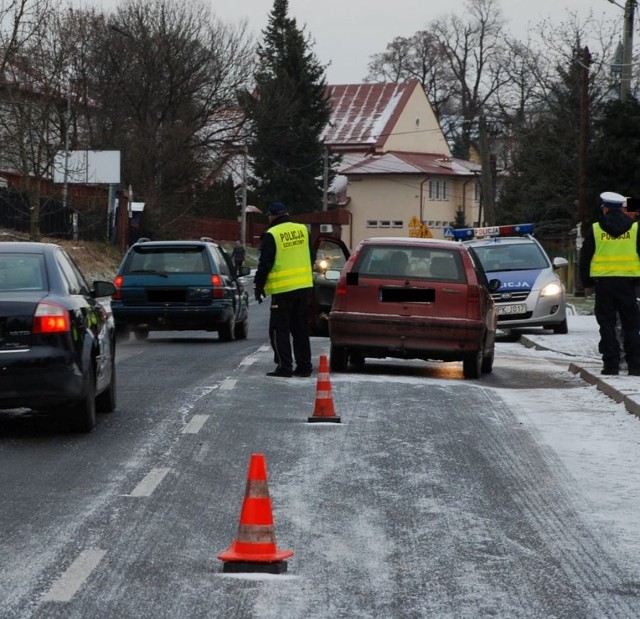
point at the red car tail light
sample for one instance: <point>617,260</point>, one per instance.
<point>473,303</point>
<point>217,291</point>
<point>50,318</point>
<point>341,286</point>
<point>117,282</point>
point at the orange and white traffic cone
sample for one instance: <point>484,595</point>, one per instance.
<point>255,550</point>
<point>323,410</point>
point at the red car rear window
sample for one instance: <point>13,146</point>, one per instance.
<point>414,262</point>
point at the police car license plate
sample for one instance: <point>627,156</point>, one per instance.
<point>511,309</point>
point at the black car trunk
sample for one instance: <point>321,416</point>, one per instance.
<point>16,320</point>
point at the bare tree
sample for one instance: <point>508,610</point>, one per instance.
<point>163,73</point>
<point>458,60</point>
<point>419,57</point>
<point>20,21</point>
<point>35,94</point>
<point>474,47</point>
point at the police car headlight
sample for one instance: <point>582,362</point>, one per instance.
<point>551,290</point>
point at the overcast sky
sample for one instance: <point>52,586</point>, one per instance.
<point>348,32</point>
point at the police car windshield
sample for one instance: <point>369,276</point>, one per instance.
<point>515,257</point>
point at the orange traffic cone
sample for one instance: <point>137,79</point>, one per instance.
<point>254,550</point>
<point>323,410</point>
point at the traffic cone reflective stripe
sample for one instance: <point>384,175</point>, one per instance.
<point>323,410</point>
<point>255,548</point>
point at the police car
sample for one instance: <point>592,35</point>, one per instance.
<point>531,292</point>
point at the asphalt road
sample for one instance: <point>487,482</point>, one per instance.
<point>430,499</point>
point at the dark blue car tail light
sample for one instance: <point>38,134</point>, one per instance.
<point>50,318</point>
<point>217,290</point>
<point>117,282</point>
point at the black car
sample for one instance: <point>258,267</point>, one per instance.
<point>331,255</point>
<point>178,286</point>
<point>57,340</point>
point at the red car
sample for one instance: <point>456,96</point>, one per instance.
<point>413,298</point>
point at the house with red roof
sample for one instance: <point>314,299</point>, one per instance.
<point>397,176</point>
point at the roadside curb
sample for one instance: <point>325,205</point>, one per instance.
<point>622,389</point>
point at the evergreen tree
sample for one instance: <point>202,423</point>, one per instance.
<point>615,152</point>
<point>542,187</point>
<point>288,111</point>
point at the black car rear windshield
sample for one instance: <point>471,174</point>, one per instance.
<point>167,260</point>
<point>22,272</point>
<point>414,262</point>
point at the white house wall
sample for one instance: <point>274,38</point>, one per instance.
<point>385,206</point>
<point>417,129</point>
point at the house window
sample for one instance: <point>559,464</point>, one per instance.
<point>477,193</point>
<point>384,223</point>
<point>438,190</point>
<point>372,223</point>
<point>398,223</point>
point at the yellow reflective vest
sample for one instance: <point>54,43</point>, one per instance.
<point>615,256</point>
<point>292,267</point>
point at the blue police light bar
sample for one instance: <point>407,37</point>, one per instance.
<point>464,234</point>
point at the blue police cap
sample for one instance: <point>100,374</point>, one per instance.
<point>611,199</point>
<point>277,208</point>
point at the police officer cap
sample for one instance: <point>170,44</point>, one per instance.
<point>611,199</point>
<point>277,208</point>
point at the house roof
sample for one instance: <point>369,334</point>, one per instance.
<point>363,114</point>
<point>412,163</point>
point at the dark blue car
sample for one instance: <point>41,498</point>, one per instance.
<point>178,286</point>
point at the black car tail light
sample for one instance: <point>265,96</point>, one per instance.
<point>217,291</point>
<point>50,318</point>
<point>117,282</point>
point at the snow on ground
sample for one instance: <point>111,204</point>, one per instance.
<point>594,438</point>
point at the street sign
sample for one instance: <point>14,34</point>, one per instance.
<point>425,233</point>
<point>447,233</point>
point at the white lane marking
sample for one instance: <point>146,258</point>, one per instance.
<point>228,384</point>
<point>248,361</point>
<point>150,482</point>
<point>195,425</point>
<point>264,349</point>
<point>77,573</point>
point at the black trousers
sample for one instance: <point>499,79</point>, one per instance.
<point>616,297</point>
<point>289,320</point>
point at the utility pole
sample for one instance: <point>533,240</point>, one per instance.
<point>582,169</point>
<point>627,50</point>
<point>243,211</point>
<point>325,179</point>
<point>65,186</point>
<point>584,135</point>
<point>488,194</point>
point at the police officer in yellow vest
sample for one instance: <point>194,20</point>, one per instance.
<point>285,272</point>
<point>610,261</point>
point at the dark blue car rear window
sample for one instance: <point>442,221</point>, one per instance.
<point>174,260</point>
